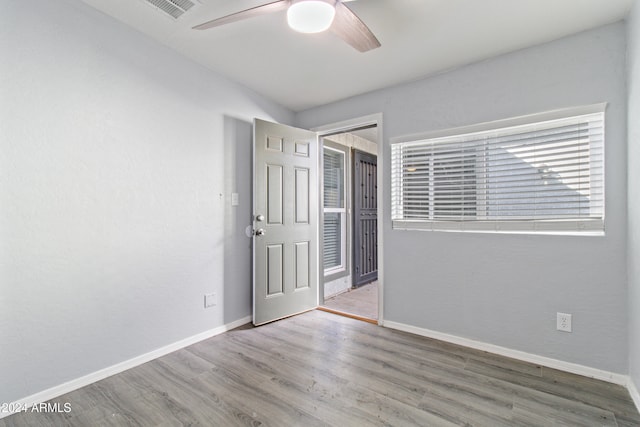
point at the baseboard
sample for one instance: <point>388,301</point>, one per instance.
<point>77,383</point>
<point>573,368</point>
<point>633,391</point>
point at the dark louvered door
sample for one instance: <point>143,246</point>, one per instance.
<point>365,215</point>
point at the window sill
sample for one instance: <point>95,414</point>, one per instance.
<point>552,228</point>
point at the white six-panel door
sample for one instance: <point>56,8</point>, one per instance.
<point>285,221</point>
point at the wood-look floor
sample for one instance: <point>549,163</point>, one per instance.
<point>362,301</point>
<point>322,369</point>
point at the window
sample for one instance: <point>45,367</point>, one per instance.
<point>541,173</point>
<point>335,223</point>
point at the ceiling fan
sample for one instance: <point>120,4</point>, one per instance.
<point>311,16</point>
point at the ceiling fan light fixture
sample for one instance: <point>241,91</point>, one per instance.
<point>311,16</point>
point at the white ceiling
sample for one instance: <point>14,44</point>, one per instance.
<point>419,38</point>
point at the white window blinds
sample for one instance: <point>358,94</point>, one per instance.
<point>333,179</point>
<point>545,175</point>
<point>334,248</point>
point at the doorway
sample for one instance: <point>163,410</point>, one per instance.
<point>290,266</point>
<point>350,229</point>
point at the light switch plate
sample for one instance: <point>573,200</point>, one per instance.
<point>209,300</point>
<point>235,199</point>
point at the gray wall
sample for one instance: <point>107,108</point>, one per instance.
<point>506,289</point>
<point>117,159</point>
<point>633,256</point>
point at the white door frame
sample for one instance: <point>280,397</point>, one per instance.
<point>346,126</point>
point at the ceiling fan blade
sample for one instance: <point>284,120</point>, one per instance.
<point>352,30</point>
<point>275,6</point>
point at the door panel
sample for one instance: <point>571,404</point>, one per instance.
<point>274,194</point>
<point>274,270</point>
<point>365,214</point>
<point>302,265</point>
<point>302,196</point>
<point>285,254</point>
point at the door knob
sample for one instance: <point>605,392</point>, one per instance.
<point>259,218</point>
<point>260,232</point>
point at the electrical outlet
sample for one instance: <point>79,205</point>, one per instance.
<point>209,300</point>
<point>564,322</point>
